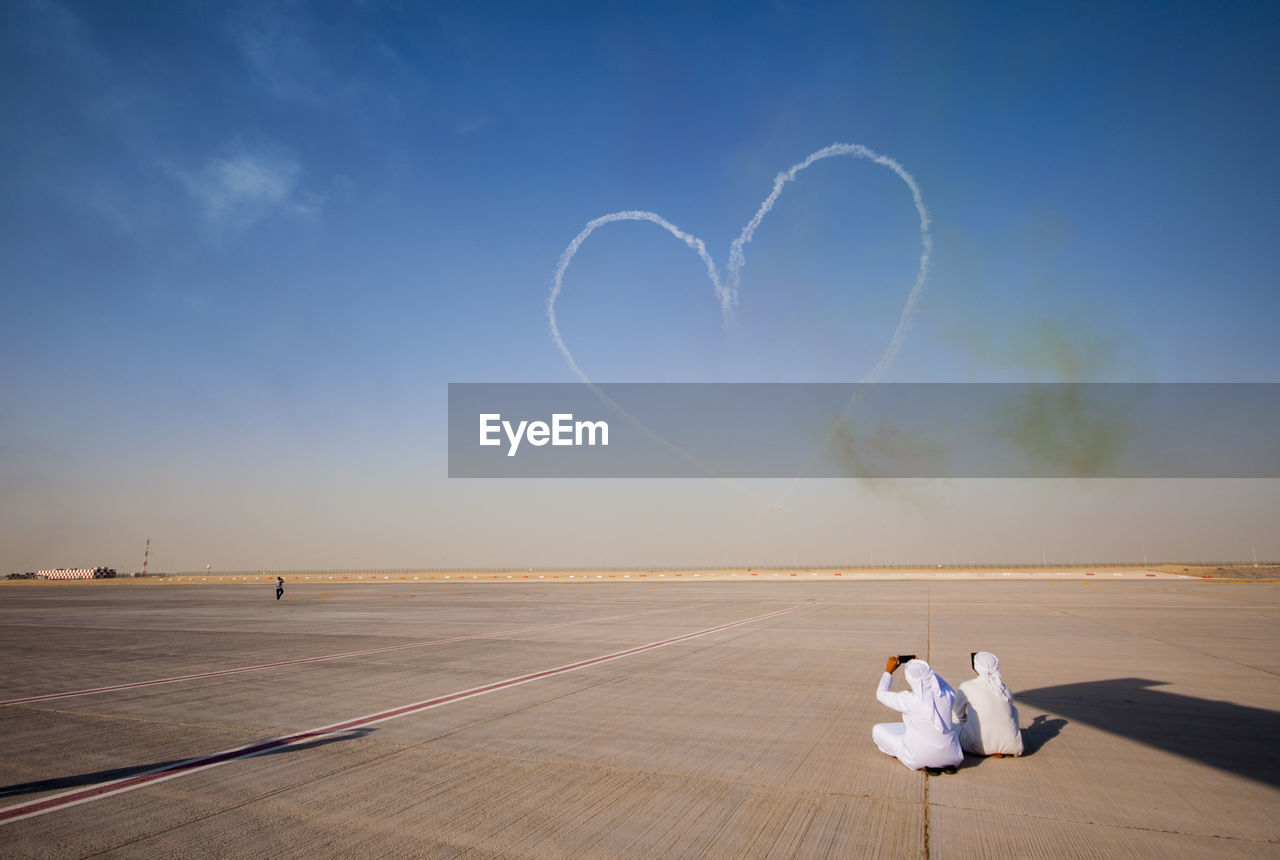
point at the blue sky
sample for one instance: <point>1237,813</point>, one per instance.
<point>246,246</point>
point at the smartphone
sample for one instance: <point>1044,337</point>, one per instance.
<point>903,659</point>
<point>972,654</point>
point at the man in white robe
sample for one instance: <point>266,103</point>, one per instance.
<point>924,738</point>
<point>985,717</point>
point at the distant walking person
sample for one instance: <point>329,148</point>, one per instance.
<point>985,718</point>
<point>279,587</point>
<point>924,737</point>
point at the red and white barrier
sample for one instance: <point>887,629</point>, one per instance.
<point>77,573</point>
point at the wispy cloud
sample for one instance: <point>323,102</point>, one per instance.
<point>474,124</point>
<point>276,42</point>
<point>237,191</point>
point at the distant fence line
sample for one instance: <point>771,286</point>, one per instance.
<point>594,568</point>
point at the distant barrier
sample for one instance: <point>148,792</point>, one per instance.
<point>76,573</point>
<point>436,573</point>
<point>1038,565</point>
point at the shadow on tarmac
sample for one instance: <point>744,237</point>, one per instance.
<point>1040,732</point>
<point>1223,735</point>
<point>86,779</point>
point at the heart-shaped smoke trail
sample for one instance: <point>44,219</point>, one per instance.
<point>727,294</point>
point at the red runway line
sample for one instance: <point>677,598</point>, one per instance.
<point>106,789</point>
<point>219,672</point>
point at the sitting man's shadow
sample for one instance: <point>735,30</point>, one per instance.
<point>1040,732</point>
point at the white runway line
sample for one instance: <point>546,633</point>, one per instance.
<point>118,786</point>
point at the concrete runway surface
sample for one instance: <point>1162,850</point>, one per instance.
<point>627,719</point>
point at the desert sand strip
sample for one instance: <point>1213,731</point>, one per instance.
<point>194,765</point>
<point>217,673</point>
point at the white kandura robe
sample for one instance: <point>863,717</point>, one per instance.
<point>985,723</point>
<point>915,741</point>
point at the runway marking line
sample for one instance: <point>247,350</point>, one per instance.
<point>219,672</point>
<point>194,765</point>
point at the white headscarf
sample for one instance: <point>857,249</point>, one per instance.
<point>988,668</point>
<point>925,684</point>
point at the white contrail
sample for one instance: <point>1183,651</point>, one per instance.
<point>737,259</point>
<point>727,294</point>
<point>712,272</point>
<point>630,215</point>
